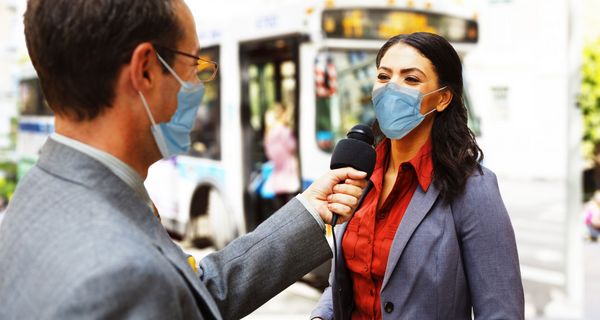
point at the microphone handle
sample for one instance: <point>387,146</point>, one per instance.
<point>360,201</point>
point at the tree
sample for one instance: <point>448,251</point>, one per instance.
<point>589,101</point>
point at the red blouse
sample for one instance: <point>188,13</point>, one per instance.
<point>369,235</point>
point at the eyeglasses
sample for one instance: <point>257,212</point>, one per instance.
<point>206,70</point>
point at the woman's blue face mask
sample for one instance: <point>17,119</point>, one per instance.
<point>398,109</point>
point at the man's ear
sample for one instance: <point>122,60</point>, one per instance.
<point>143,67</point>
<point>446,96</point>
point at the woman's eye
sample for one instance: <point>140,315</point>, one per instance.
<point>411,79</point>
<point>383,76</point>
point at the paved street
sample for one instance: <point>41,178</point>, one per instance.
<point>591,252</point>
<point>537,210</point>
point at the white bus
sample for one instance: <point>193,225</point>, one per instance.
<point>35,121</point>
<point>319,61</point>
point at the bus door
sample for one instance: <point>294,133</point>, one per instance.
<point>269,100</point>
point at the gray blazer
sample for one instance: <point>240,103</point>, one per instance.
<point>78,243</point>
<point>444,261</point>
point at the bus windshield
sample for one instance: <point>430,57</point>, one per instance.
<point>344,81</point>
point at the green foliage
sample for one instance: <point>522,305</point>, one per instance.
<point>8,174</point>
<point>589,100</point>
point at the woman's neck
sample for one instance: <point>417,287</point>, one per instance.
<point>404,150</point>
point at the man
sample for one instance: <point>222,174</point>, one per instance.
<point>80,238</point>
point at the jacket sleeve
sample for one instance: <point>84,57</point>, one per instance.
<point>489,250</point>
<point>254,268</point>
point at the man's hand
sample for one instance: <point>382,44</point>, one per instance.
<point>336,192</point>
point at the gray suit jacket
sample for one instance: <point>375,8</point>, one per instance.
<point>78,243</point>
<point>444,261</point>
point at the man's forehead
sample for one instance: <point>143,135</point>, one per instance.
<point>188,24</point>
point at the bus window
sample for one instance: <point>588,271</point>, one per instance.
<point>269,97</point>
<point>31,100</point>
<point>206,135</point>
<point>262,92</point>
<point>473,120</point>
<point>344,82</point>
<point>288,88</point>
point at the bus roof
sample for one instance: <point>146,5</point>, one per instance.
<point>249,20</point>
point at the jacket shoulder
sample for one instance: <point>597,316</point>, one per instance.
<point>481,202</point>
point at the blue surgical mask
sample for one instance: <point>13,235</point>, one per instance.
<point>173,137</point>
<point>398,109</point>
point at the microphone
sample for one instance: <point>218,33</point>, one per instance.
<point>355,151</point>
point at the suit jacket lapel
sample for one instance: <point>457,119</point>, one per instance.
<point>79,168</point>
<point>339,234</point>
<point>179,259</point>
<point>418,208</point>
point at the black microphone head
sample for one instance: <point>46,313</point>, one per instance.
<point>356,151</point>
<point>361,132</point>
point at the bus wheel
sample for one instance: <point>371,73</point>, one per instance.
<point>198,230</point>
<point>210,223</point>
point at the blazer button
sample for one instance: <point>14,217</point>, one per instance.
<point>389,307</point>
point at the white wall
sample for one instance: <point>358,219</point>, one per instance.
<point>523,48</point>
<point>9,31</point>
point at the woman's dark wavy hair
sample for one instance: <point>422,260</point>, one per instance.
<point>455,152</point>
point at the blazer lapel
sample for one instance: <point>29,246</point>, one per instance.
<point>79,168</point>
<point>178,259</point>
<point>418,208</point>
<point>339,234</point>
<point>160,238</point>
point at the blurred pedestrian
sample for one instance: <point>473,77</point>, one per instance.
<point>81,238</point>
<point>281,149</point>
<point>433,239</point>
<point>592,216</point>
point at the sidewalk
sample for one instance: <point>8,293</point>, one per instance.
<point>591,253</point>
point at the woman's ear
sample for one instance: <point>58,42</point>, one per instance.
<point>143,67</point>
<point>446,96</point>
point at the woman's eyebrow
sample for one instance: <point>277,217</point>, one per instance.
<point>410,70</point>
<point>386,69</point>
<point>404,71</point>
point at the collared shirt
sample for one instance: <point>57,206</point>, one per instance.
<point>369,235</point>
<point>116,166</point>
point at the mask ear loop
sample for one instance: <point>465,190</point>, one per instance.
<point>186,86</point>
<point>166,65</point>
<point>431,111</point>
<point>434,91</point>
<point>145,103</point>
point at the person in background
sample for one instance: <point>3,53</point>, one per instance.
<point>433,239</point>
<point>81,239</point>
<point>281,149</point>
<point>592,216</point>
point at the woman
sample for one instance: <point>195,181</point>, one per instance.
<point>281,148</point>
<point>432,239</point>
